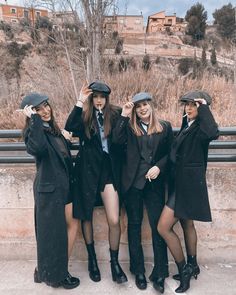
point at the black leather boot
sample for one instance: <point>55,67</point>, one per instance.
<point>117,273</point>
<point>185,273</point>
<point>140,281</point>
<point>159,285</point>
<point>196,269</point>
<point>94,272</point>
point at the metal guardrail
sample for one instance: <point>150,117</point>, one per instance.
<point>12,147</point>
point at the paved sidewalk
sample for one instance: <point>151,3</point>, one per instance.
<point>16,278</point>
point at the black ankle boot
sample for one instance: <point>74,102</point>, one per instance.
<point>159,284</point>
<point>117,273</point>
<point>196,270</point>
<point>94,272</point>
<point>185,273</point>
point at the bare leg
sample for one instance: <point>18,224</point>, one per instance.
<point>72,227</point>
<point>165,228</point>
<point>111,203</point>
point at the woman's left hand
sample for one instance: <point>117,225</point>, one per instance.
<point>153,173</point>
<point>200,101</point>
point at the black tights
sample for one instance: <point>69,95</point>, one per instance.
<point>165,228</point>
<point>111,204</point>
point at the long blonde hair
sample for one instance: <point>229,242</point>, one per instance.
<point>154,124</point>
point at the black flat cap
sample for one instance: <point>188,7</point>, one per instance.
<point>100,87</point>
<point>190,96</point>
<point>33,99</point>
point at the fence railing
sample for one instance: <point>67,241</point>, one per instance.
<point>15,152</point>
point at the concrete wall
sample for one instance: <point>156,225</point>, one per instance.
<point>217,240</point>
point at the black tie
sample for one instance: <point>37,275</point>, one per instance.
<point>100,118</point>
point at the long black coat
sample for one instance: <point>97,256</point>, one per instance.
<point>51,189</point>
<point>88,166</point>
<point>189,156</point>
<point>124,135</point>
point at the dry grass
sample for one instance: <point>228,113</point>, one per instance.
<point>165,90</point>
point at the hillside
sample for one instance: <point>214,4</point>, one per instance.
<point>42,66</point>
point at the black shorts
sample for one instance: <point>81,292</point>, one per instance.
<point>171,201</point>
<point>106,176</point>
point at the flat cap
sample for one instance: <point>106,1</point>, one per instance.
<point>33,99</point>
<point>190,96</point>
<point>100,87</point>
<point>141,96</point>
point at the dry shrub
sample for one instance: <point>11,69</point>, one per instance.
<point>165,90</point>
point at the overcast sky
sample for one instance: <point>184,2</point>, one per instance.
<point>149,7</point>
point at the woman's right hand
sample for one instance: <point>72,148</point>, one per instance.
<point>28,111</point>
<point>84,94</point>
<point>127,109</point>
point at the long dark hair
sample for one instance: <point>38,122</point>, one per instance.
<point>89,120</point>
<point>52,129</point>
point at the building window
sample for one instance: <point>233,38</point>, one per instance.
<point>26,14</point>
<point>170,21</point>
<point>38,13</point>
<point>13,10</point>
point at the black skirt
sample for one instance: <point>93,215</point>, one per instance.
<point>106,176</point>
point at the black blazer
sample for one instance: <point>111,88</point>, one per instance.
<point>124,135</point>
<point>189,155</point>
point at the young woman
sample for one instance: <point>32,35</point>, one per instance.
<point>188,198</point>
<point>147,141</point>
<point>52,193</point>
<point>92,119</point>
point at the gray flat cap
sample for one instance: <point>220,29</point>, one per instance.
<point>141,96</point>
<point>100,87</point>
<point>190,96</point>
<point>33,99</point>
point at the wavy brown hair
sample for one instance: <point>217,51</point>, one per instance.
<point>90,121</point>
<point>154,124</point>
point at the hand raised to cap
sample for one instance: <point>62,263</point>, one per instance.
<point>127,109</point>
<point>84,94</point>
<point>200,101</point>
<point>28,111</point>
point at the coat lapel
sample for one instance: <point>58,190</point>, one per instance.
<point>184,134</point>
<point>56,148</point>
<point>156,141</point>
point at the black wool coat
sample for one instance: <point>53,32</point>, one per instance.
<point>89,163</point>
<point>51,190</point>
<point>189,158</point>
<point>124,135</point>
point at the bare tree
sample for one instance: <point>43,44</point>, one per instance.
<point>92,13</point>
<point>93,16</point>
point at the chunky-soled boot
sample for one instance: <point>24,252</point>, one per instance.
<point>196,269</point>
<point>185,273</point>
<point>117,273</point>
<point>94,272</point>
